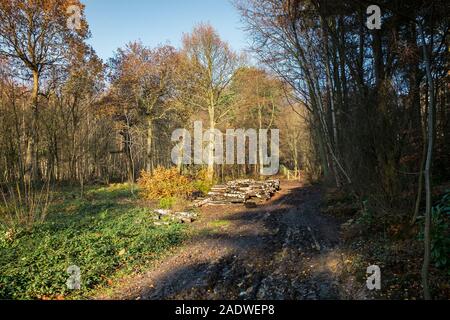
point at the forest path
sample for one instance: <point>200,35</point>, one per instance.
<point>283,249</point>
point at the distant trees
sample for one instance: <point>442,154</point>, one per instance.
<point>69,117</point>
<point>259,98</point>
<point>143,91</point>
<point>297,142</point>
<point>36,40</point>
<point>73,131</point>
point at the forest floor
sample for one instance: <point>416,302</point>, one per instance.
<point>282,249</point>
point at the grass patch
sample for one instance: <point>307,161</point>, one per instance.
<point>219,224</point>
<point>167,203</point>
<point>101,235</point>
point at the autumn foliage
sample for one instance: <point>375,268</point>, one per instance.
<point>164,183</point>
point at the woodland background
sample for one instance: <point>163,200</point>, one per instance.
<point>365,111</point>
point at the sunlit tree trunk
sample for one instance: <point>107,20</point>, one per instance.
<point>149,161</point>
<point>212,127</point>
<point>30,158</point>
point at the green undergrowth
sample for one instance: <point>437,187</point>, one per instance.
<point>105,234</point>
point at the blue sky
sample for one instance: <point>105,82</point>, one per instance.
<point>114,23</point>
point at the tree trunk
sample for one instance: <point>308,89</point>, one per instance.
<point>332,107</point>
<point>149,163</point>
<point>31,154</point>
<point>378,57</point>
<point>212,127</point>
<point>421,176</point>
<point>260,153</point>
<point>427,171</point>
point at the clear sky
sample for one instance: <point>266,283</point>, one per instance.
<point>113,23</point>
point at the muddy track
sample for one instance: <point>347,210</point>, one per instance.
<point>284,249</point>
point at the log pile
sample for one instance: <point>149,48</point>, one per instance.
<point>240,191</point>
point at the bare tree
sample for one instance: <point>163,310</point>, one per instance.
<point>209,68</point>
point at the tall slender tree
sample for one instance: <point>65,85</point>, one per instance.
<point>209,67</point>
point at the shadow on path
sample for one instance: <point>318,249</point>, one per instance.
<point>284,249</point>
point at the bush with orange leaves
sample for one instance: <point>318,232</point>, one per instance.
<point>164,183</point>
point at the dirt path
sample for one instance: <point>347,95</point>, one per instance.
<point>284,249</point>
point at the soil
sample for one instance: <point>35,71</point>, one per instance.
<point>282,249</point>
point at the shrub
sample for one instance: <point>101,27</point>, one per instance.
<point>164,183</point>
<point>203,186</point>
<point>440,233</point>
<point>24,205</point>
<point>201,182</point>
<point>167,203</point>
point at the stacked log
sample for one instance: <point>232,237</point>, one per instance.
<point>240,191</point>
<point>182,217</point>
